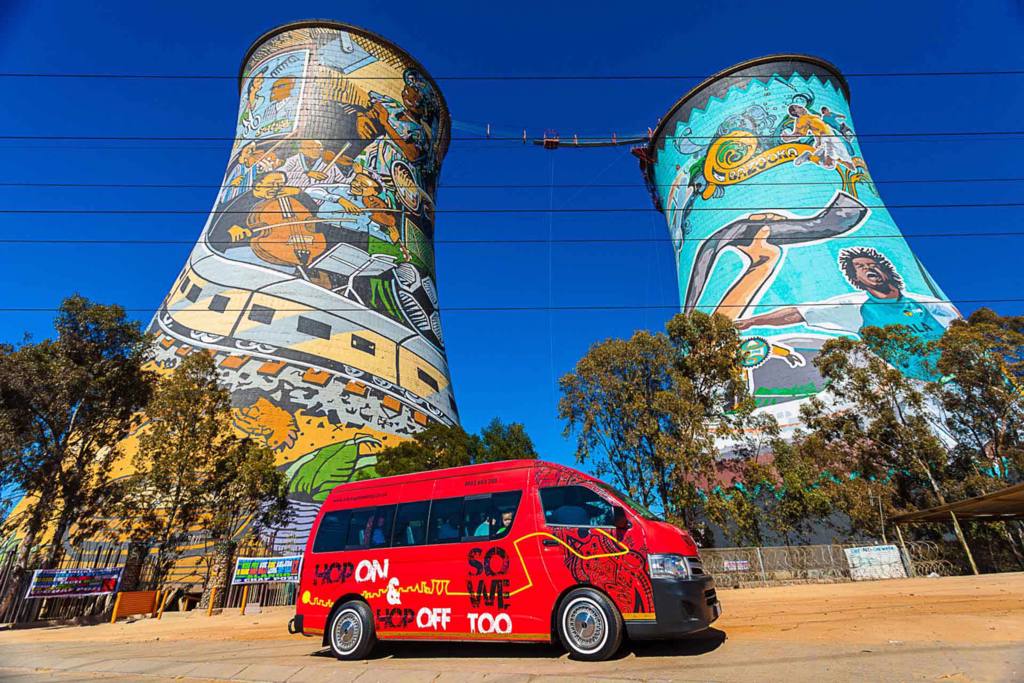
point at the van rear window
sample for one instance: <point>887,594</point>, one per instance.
<point>330,537</point>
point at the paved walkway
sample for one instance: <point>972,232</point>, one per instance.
<point>953,629</point>
<point>706,659</point>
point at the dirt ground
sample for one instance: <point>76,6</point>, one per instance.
<point>953,629</point>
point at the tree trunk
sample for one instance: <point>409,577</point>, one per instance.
<point>220,575</point>
<point>21,563</point>
<point>53,554</point>
<point>131,576</point>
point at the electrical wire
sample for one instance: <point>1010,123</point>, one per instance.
<point>516,210</point>
<point>605,307</point>
<point>483,138</point>
<point>503,186</point>
<point>511,77</point>
<point>582,240</point>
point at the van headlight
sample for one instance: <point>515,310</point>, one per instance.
<point>668,567</point>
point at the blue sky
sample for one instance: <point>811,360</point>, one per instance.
<point>502,363</point>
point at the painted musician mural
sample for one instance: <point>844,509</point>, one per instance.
<point>313,282</point>
<point>777,224</point>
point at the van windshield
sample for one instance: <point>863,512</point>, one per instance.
<point>639,508</point>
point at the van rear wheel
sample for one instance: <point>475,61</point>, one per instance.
<point>589,625</point>
<point>351,634</point>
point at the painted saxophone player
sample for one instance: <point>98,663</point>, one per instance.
<point>776,223</point>
<point>313,282</point>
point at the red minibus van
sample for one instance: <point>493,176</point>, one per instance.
<point>521,550</point>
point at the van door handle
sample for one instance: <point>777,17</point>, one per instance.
<point>550,541</point>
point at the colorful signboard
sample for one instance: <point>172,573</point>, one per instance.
<point>267,570</point>
<point>73,583</point>
<point>777,224</point>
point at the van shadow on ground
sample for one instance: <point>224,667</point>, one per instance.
<point>696,644</point>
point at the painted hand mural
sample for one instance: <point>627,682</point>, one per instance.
<point>313,282</point>
<point>776,223</point>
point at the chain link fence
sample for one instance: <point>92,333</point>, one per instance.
<point>731,567</point>
<point>781,565</point>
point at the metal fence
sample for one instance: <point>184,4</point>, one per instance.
<point>762,566</point>
<point>21,610</point>
<point>741,567</point>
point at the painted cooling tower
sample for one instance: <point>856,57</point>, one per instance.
<point>776,223</point>
<point>313,280</point>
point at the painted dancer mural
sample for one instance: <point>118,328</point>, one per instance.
<point>776,223</point>
<point>313,281</point>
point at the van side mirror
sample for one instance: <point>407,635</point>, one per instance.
<point>621,521</point>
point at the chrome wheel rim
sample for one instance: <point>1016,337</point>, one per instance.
<point>585,625</point>
<point>347,632</point>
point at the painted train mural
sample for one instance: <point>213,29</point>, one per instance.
<point>776,223</point>
<point>313,281</point>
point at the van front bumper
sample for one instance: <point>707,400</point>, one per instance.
<point>681,606</point>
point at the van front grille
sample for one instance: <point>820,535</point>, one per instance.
<point>696,567</point>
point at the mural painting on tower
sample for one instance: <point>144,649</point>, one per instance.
<point>313,281</point>
<point>776,223</point>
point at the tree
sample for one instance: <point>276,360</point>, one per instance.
<point>883,434</point>
<point>780,491</point>
<point>440,446</point>
<point>654,411</point>
<point>194,473</point>
<point>982,397</point>
<point>65,405</point>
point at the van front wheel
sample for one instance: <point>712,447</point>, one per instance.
<point>589,625</point>
<point>351,634</point>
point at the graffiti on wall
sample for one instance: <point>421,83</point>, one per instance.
<point>776,223</point>
<point>313,282</point>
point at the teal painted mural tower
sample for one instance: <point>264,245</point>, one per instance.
<point>776,223</point>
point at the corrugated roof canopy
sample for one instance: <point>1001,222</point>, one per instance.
<point>998,506</point>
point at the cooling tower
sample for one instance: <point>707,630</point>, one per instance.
<point>313,281</point>
<point>776,223</point>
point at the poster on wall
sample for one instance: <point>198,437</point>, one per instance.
<point>267,570</point>
<point>875,562</point>
<point>73,583</point>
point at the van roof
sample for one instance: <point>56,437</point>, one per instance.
<point>447,473</point>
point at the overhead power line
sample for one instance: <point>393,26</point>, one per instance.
<point>601,307</point>
<point>510,77</point>
<point>483,138</point>
<point>568,240</point>
<point>511,210</point>
<point>508,186</point>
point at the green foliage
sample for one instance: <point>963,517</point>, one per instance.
<point>439,447</point>
<point>65,405</point>
<point>893,444</point>
<point>650,411</point>
<point>194,474</point>
<point>983,397</point>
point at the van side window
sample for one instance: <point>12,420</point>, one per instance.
<point>477,516</point>
<point>445,521</point>
<point>490,515</point>
<point>330,536</point>
<point>370,527</point>
<point>410,524</point>
<point>357,536</point>
<point>575,506</point>
<point>504,507</point>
